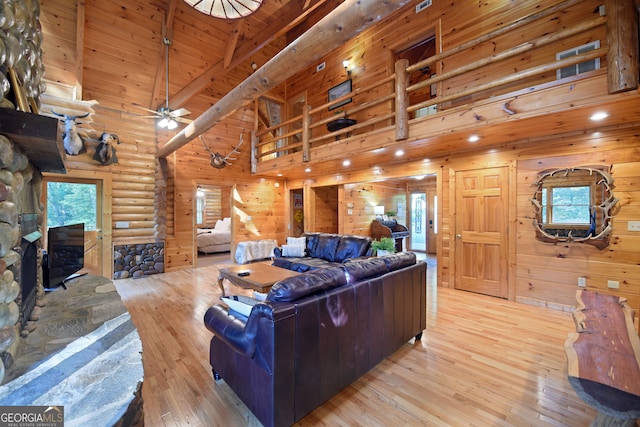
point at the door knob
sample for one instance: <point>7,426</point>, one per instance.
<point>458,236</point>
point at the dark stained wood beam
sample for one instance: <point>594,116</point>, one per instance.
<point>290,19</point>
<point>622,40</point>
<point>345,22</point>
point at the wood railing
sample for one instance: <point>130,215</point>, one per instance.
<point>307,131</point>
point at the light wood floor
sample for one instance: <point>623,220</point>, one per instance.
<point>481,362</point>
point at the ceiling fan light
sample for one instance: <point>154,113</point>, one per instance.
<point>163,123</point>
<point>171,124</point>
<point>226,9</point>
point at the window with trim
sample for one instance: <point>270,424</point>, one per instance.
<point>583,67</point>
<point>566,205</point>
<point>200,207</point>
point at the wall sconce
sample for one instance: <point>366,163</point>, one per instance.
<point>345,64</point>
<point>378,211</point>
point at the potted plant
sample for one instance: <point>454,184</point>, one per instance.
<point>384,246</point>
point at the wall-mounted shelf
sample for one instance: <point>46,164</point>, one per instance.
<point>37,137</point>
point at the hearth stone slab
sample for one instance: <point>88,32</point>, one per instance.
<point>94,377</point>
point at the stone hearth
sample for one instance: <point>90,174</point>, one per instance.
<point>85,355</point>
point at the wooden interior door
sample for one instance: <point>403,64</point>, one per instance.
<point>481,227</point>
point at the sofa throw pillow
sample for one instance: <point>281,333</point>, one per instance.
<point>293,250</point>
<point>301,241</point>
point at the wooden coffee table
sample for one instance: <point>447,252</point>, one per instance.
<point>261,276</point>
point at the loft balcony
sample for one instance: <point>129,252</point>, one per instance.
<point>518,92</point>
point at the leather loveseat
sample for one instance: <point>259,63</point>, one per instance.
<point>324,250</point>
<point>316,333</point>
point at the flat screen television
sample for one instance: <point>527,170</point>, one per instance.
<point>65,254</point>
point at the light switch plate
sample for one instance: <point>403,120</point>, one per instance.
<point>582,282</point>
<point>613,284</point>
<point>633,225</point>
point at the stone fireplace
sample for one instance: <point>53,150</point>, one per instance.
<point>21,283</point>
<point>29,145</point>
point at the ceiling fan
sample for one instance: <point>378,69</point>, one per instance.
<point>168,118</point>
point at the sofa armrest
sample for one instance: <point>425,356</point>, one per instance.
<point>240,332</point>
<point>231,329</point>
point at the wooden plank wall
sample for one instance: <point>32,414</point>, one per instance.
<point>549,272</point>
<point>364,196</point>
<point>326,209</point>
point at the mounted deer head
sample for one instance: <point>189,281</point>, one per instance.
<point>219,161</point>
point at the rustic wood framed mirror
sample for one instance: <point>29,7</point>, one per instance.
<point>574,205</point>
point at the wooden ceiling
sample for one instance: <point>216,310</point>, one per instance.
<point>120,55</point>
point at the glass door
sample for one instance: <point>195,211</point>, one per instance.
<point>418,228</point>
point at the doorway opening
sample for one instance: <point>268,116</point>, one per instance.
<point>212,227</point>
<point>73,201</point>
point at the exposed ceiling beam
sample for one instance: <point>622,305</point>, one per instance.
<point>292,17</point>
<point>167,31</point>
<point>80,17</point>
<point>345,22</point>
<point>233,42</point>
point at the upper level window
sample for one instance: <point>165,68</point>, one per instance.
<point>583,67</point>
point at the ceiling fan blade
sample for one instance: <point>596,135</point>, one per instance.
<point>146,109</point>
<point>151,117</point>
<point>182,120</point>
<point>180,112</point>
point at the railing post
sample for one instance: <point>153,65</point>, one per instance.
<point>402,100</point>
<point>622,40</point>
<point>254,151</point>
<point>306,134</point>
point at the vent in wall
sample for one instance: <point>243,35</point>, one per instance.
<point>423,5</point>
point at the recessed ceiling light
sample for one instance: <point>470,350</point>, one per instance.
<point>419,177</point>
<point>474,138</point>
<point>279,174</point>
<point>426,161</point>
<point>379,150</point>
<point>399,153</point>
<point>307,170</point>
<point>599,115</point>
<point>346,163</point>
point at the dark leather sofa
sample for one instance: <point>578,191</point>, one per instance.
<point>316,333</point>
<point>324,250</point>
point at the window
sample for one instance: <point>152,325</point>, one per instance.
<point>200,206</point>
<point>582,67</point>
<point>567,205</point>
<point>71,203</point>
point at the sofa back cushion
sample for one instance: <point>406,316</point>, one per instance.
<point>351,247</point>
<point>312,243</point>
<point>399,260</point>
<point>327,246</point>
<point>305,284</point>
<point>365,269</point>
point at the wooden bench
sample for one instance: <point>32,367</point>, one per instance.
<point>603,358</point>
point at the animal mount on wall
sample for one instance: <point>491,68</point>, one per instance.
<point>219,161</point>
<point>73,144</point>
<point>106,149</point>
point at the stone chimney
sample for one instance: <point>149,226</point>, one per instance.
<point>21,83</point>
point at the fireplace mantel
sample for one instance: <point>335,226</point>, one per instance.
<point>37,137</point>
